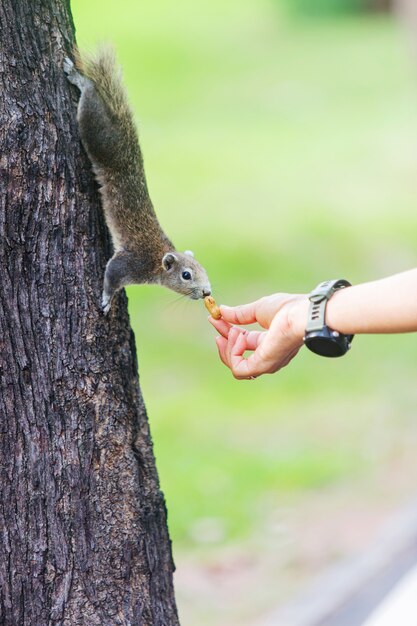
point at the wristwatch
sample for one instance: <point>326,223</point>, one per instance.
<point>319,338</point>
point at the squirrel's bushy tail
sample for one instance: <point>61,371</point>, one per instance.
<point>108,133</point>
<point>106,75</point>
<point>115,131</point>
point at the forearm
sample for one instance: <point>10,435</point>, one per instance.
<point>388,305</point>
<point>383,306</point>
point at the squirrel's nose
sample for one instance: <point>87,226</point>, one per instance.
<point>206,292</point>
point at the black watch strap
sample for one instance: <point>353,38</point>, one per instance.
<point>319,338</point>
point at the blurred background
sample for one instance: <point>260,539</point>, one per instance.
<point>280,145</point>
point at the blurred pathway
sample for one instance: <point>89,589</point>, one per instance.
<point>400,606</point>
<point>378,588</point>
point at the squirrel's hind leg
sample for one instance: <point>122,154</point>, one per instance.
<point>118,274</point>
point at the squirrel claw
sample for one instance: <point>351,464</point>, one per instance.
<point>68,65</point>
<point>105,305</point>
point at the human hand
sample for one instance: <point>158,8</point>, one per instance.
<point>284,316</point>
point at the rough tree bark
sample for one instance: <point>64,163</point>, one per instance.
<point>83,523</point>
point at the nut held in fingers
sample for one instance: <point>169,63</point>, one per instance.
<point>212,307</point>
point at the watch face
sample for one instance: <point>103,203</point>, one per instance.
<point>327,346</point>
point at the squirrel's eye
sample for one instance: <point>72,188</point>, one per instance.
<point>186,275</point>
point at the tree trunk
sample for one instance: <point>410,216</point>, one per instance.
<point>83,536</point>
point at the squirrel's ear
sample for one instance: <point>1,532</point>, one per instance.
<point>189,253</point>
<point>169,260</point>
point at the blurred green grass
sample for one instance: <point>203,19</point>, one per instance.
<point>282,153</point>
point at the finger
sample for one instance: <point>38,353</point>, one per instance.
<point>246,368</point>
<point>221,326</point>
<point>243,314</point>
<point>233,337</point>
<point>237,344</point>
<point>221,347</point>
<point>254,338</point>
<point>236,347</point>
<point>244,340</point>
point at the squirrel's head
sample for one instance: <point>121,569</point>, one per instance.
<point>183,274</point>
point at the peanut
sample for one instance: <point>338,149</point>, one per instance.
<point>212,307</point>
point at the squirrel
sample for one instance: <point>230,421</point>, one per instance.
<point>142,251</point>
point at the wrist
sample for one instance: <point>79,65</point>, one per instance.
<point>298,315</point>
<point>339,312</point>
<point>321,338</point>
